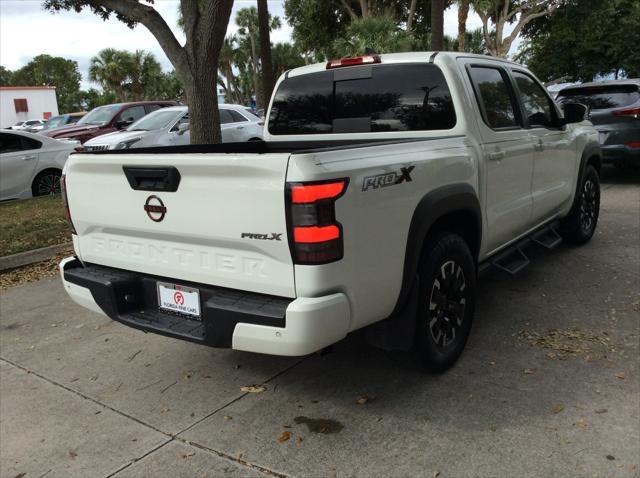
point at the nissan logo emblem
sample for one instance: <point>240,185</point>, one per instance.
<point>155,208</point>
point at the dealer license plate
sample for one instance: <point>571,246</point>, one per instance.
<point>180,299</point>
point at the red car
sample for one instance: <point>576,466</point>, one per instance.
<point>106,119</point>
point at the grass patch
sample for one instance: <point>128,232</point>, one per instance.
<point>31,224</point>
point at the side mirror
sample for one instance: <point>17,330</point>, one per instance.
<point>183,128</point>
<point>574,112</point>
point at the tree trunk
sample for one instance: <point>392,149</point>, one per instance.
<point>437,25</point>
<point>412,12</point>
<point>254,70</point>
<point>463,13</point>
<point>268,77</point>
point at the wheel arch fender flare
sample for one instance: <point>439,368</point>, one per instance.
<point>453,198</point>
<point>591,154</point>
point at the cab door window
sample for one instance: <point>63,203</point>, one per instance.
<point>494,96</point>
<point>131,114</point>
<point>538,107</point>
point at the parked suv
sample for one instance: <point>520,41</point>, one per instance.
<point>383,185</point>
<point>63,120</point>
<point>106,119</point>
<point>615,112</point>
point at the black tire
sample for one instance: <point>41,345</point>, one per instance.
<point>446,301</point>
<point>45,183</point>
<point>580,225</point>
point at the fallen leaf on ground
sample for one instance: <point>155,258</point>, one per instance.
<point>529,371</point>
<point>165,410</point>
<point>621,375</point>
<point>188,375</point>
<point>299,440</point>
<point>557,409</point>
<point>362,400</point>
<point>552,355</point>
<point>490,363</point>
<point>72,454</point>
<point>187,455</point>
<point>602,410</point>
<point>581,423</point>
<point>610,457</point>
<point>436,474</point>
<point>284,436</point>
<point>20,475</point>
<point>252,389</point>
<point>227,417</point>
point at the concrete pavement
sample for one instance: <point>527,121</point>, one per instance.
<point>83,396</point>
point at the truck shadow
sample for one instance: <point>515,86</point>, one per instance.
<point>613,175</point>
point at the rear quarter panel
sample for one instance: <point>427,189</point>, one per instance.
<point>376,221</point>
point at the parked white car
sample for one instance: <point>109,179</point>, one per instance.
<point>170,127</point>
<point>33,125</point>
<point>30,164</point>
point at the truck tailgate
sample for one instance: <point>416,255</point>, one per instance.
<point>225,225</point>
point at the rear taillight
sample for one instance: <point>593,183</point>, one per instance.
<point>65,202</point>
<point>634,144</point>
<point>632,112</point>
<point>355,61</point>
<point>315,236</point>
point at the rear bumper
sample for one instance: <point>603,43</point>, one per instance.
<point>620,153</point>
<point>230,318</point>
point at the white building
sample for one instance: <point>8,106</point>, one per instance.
<point>19,103</point>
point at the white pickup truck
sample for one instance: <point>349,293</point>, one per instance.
<point>385,183</point>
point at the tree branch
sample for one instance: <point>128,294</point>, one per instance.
<point>346,5</point>
<point>152,20</point>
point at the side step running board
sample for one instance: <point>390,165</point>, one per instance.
<point>547,238</point>
<point>513,259</point>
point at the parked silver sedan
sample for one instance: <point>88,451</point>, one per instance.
<point>31,164</point>
<point>170,127</point>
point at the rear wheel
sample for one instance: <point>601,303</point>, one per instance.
<point>45,183</point>
<point>580,225</point>
<point>447,300</point>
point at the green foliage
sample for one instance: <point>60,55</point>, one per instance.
<point>133,76</point>
<point>46,70</point>
<point>584,39</point>
<point>382,34</point>
<point>5,76</point>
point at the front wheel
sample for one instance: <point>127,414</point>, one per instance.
<point>45,183</point>
<point>447,301</point>
<point>580,225</point>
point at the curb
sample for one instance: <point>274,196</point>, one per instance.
<point>29,257</point>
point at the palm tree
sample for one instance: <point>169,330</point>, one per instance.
<point>463,13</point>
<point>247,20</point>
<point>227,56</point>
<point>265,50</point>
<point>437,25</point>
<point>143,70</point>
<point>109,70</point>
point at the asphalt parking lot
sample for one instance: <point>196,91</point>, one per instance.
<point>548,386</point>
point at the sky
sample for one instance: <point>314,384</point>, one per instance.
<point>26,30</point>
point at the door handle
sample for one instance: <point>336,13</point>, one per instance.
<point>496,155</point>
<point>30,156</point>
<point>239,127</point>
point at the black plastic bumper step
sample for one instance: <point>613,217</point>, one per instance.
<point>547,238</point>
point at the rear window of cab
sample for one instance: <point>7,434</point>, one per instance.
<point>363,99</point>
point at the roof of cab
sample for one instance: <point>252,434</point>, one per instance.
<point>409,57</point>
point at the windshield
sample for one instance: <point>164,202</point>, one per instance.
<point>55,122</point>
<point>157,120</point>
<point>100,115</point>
<point>601,97</point>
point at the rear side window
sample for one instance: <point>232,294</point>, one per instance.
<point>494,97</point>
<point>237,117</point>
<point>537,105</point>
<point>350,100</point>
<point>225,116</point>
<point>10,143</point>
<point>601,97</point>
<point>29,143</point>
